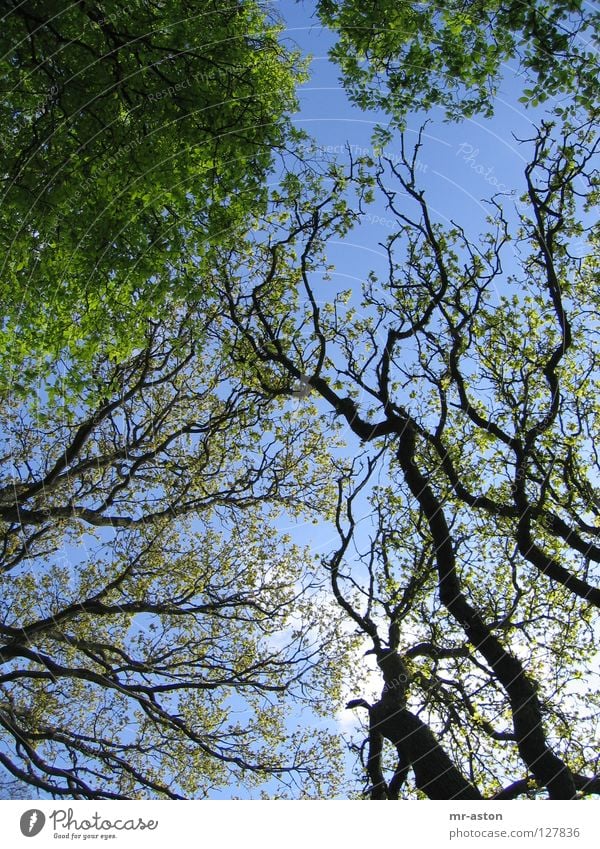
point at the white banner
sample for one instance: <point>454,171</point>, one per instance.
<point>177,825</point>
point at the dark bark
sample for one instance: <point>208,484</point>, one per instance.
<point>418,749</point>
<point>549,770</point>
<point>435,774</point>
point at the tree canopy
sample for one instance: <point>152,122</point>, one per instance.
<point>185,381</point>
<point>135,137</point>
<point>405,56</point>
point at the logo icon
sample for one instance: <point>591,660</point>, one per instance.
<point>32,822</point>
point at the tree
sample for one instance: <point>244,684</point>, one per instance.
<point>470,396</point>
<point>402,57</point>
<point>133,139</point>
<point>159,635</point>
<point>146,604</point>
<point>152,626</point>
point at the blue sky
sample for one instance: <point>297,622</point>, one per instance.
<point>460,166</point>
<point>450,173</point>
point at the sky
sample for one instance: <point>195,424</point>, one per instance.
<point>460,166</point>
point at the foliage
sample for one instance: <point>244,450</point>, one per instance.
<point>403,57</point>
<point>122,125</point>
